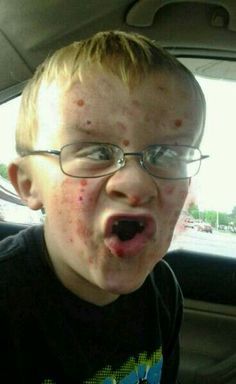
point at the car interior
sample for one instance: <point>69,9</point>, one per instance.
<point>202,35</point>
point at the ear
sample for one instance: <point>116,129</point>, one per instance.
<point>23,184</point>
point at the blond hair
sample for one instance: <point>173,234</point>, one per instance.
<point>130,56</point>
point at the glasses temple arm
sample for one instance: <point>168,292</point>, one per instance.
<point>203,157</point>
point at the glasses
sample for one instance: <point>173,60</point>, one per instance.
<point>90,160</point>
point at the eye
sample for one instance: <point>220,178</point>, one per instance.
<point>156,156</point>
<point>96,153</point>
<point>164,155</point>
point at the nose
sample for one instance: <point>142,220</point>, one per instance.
<point>132,185</point>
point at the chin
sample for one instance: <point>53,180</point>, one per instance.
<point>124,288</point>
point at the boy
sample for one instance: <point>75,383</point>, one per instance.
<point>107,141</point>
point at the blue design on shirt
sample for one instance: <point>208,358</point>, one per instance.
<point>151,375</point>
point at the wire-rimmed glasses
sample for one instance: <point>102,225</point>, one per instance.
<point>91,160</point>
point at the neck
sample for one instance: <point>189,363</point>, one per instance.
<point>75,283</point>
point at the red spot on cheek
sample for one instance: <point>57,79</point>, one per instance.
<point>80,102</point>
<point>178,123</point>
<point>83,182</point>
<point>169,189</point>
<point>182,194</point>
<point>126,143</point>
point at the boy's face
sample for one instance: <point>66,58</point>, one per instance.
<point>80,212</point>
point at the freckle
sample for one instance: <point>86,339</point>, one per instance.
<point>80,102</point>
<point>178,123</point>
<point>125,143</point>
<point>88,122</point>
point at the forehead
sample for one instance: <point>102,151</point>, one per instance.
<point>162,106</point>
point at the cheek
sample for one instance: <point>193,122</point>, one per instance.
<point>173,198</point>
<point>73,207</point>
<point>85,198</point>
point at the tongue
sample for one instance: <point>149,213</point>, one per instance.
<point>126,229</point>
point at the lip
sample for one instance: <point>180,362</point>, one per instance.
<point>135,245</point>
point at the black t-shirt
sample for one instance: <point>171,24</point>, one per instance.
<point>49,335</point>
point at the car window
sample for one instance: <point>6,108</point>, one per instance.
<point>11,207</point>
<point>208,221</point>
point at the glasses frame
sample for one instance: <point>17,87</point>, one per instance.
<point>122,163</point>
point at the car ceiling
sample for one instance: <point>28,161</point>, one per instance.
<point>31,30</point>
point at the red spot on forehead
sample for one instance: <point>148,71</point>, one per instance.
<point>80,102</point>
<point>125,143</point>
<point>178,123</point>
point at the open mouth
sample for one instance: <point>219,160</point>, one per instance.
<point>127,229</point>
<point>127,235</point>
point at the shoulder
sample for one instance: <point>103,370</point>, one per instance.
<point>20,266</point>
<point>19,241</point>
<point>167,289</point>
<point>17,250</point>
<point>164,278</point>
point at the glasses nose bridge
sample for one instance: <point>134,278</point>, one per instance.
<point>138,155</point>
<point>135,154</point>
